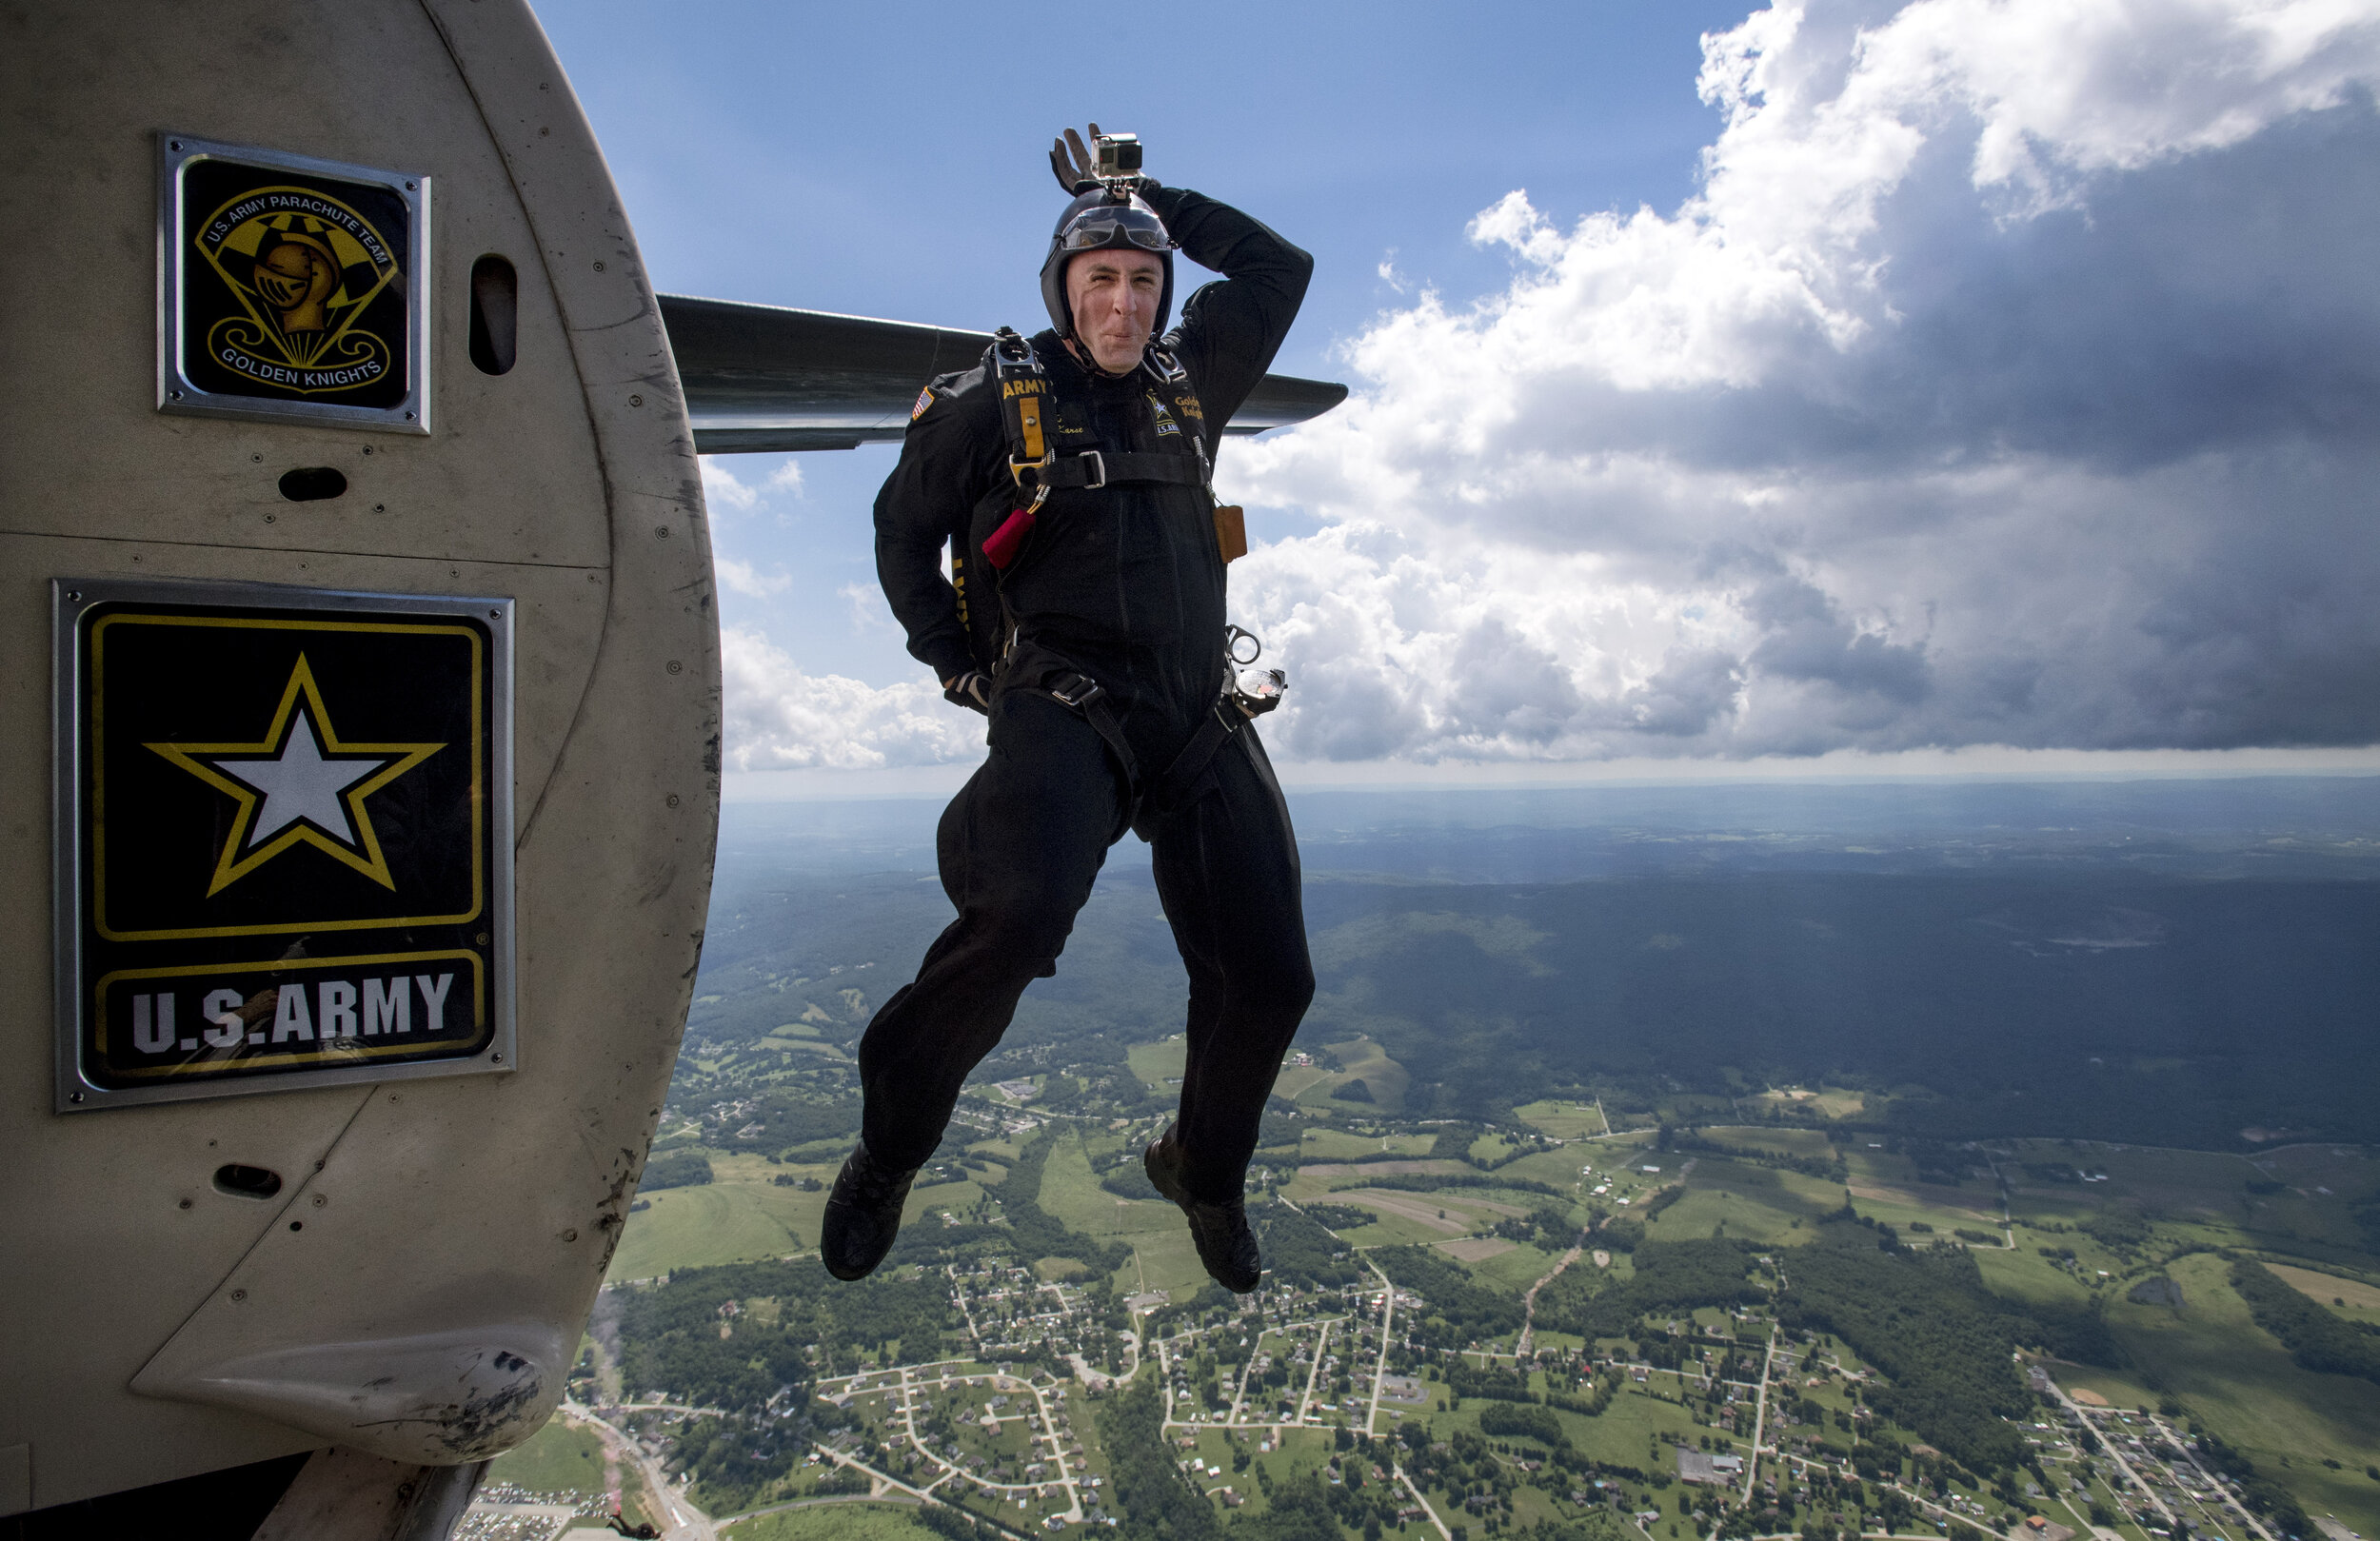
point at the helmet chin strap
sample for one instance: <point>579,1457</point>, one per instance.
<point>1090,360</point>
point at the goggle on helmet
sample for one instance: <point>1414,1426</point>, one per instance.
<point>1102,220</point>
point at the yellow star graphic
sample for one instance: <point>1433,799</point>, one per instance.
<point>298,795</point>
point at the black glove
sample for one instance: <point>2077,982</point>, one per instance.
<point>1075,172</point>
<point>1077,169</point>
<point>972,690</point>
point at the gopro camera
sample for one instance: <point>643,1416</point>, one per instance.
<point>1118,156</point>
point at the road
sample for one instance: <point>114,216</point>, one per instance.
<point>1380,1373</point>
<point>1314,1371</point>
<point>1379,1366</point>
<point>1759,1413</point>
<point>680,1519</point>
<point>2230,1499</point>
<point>905,1389</point>
<point>1231,1419</point>
<point>809,1503</point>
<point>1442,1530</point>
<point>882,1483</point>
<point>2132,1477</point>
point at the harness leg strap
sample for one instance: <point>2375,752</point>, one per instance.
<point>1174,785</point>
<point>1082,693</point>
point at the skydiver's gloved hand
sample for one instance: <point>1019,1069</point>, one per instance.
<point>1077,167</point>
<point>972,690</point>
<point>1071,160</point>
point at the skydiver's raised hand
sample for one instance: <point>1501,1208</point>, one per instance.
<point>1073,164</point>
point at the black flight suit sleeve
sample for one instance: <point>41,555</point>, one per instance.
<point>1230,331</point>
<point>947,461</point>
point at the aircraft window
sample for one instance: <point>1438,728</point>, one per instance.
<point>246,1181</point>
<point>312,484</point>
<point>495,315</point>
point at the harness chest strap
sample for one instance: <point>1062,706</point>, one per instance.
<point>1039,471</point>
<point>1099,468</point>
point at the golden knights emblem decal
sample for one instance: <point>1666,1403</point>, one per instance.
<point>306,269</point>
<point>293,288</point>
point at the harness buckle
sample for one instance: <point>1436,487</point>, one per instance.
<point>1099,466</point>
<point>1014,351</point>
<point>1018,468</point>
<point>1077,691</point>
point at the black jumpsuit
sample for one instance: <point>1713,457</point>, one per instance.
<point>1123,584</point>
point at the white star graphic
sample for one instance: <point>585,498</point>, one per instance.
<point>302,784</point>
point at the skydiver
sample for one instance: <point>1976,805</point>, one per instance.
<point>1088,626</point>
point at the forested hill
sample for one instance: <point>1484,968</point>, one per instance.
<point>2165,962</point>
<point>2168,1011</point>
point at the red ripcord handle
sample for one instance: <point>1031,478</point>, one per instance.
<point>1001,546</point>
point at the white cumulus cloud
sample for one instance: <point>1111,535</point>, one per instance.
<point>781,718</point>
<point>723,488</point>
<point>2012,379</point>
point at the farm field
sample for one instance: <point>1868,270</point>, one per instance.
<point>2229,1372</point>
<point>559,1457</point>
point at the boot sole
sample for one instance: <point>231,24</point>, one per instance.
<point>854,1276</point>
<point>1161,1180</point>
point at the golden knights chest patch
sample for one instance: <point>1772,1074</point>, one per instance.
<point>289,814</point>
<point>293,288</point>
<point>1166,426</point>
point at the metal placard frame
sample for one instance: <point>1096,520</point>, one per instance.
<point>176,392</point>
<point>72,883</point>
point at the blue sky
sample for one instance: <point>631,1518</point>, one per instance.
<point>890,161</point>
<point>1735,388</point>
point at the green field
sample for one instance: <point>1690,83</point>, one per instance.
<point>1360,1059</point>
<point>559,1457</point>
<point>1748,1203</point>
<point>1804,1142</point>
<point>2353,1299</point>
<point>1159,1065</point>
<point>1563,1121</point>
<point>1518,1269</point>
<point>1558,1169</point>
<point>720,1222</point>
<point>743,1214</point>
<point>1339,1145</point>
<point>1830,1102</point>
<point>1423,1218</point>
<point>835,1519</point>
<point>2231,1373</point>
<point>1162,1258</point>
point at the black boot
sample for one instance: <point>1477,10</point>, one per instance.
<point>1225,1244</point>
<point>863,1215</point>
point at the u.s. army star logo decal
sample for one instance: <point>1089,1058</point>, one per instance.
<point>301,784</point>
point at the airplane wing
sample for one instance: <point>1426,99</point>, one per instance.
<point>762,377</point>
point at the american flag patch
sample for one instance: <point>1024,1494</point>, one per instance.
<point>926,399</point>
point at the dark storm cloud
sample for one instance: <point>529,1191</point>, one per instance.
<point>2015,380</point>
